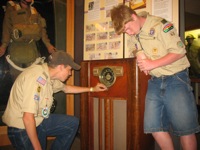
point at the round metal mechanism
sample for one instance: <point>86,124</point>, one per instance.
<point>107,76</point>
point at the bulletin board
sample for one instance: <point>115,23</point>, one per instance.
<point>100,39</point>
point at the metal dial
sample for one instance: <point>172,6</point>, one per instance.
<point>107,76</point>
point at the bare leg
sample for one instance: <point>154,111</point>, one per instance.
<point>164,140</point>
<point>189,142</point>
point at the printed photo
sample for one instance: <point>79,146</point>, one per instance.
<point>90,37</point>
<point>136,4</point>
<point>90,47</point>
<point>102,46</point>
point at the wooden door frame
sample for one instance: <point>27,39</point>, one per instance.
<point>70,50</point>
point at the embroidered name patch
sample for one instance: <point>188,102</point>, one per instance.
<point>168,27</point>
<point>41,81</point>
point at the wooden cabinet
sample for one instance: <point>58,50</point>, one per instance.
<point>113,120</point>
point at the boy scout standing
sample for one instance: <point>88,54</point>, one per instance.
<point>28,110</point>
<point>23,27</point>
<point>170,105</point>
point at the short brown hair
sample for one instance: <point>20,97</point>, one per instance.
<point>120,15</point>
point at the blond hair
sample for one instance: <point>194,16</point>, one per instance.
<point>120,15</point>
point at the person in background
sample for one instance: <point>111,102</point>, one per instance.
<point>23,27</point>
<point>27,114</point>
<point>189,38</point>
<point>169,105</point>
<point>193,55</point>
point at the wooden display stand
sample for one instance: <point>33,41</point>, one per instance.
<point>113,119</point>
<point>4,140</point>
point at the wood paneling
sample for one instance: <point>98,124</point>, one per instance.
<point>3,136</point>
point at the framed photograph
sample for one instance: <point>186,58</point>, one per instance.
<point>136,4</point>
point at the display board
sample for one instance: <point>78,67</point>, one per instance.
<point>100,40</point>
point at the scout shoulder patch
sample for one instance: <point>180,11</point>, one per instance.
<point>168,27</point>
<point>41,80</point>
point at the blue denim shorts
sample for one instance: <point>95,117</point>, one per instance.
<point>170,105</point>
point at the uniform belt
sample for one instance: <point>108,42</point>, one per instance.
<point>166,76</point>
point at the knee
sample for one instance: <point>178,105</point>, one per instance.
<point>76,121</point>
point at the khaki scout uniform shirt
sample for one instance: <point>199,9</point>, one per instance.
<point>23,19</point>
<point>31,92</point>
<point>157,38</point>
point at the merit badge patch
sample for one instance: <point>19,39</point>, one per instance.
<point>180,44</point>
<point>152,31</point>
<point>36,97</point>
<point>168,27</point>
<point>41,81</point>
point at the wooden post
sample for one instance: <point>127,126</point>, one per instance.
<point>70,50</point>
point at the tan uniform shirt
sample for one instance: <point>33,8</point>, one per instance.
<point>17,17</point>
<point>157,38</point>
<point>31,92</point>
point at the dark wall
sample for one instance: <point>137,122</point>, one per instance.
<point>5,78</point>
<point>192,21</point>
<point>46,10</point>
<point>78,47</point>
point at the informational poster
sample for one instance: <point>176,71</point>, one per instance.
<point>162,8</point>
<point>100,39</point>
<point>136,4</point>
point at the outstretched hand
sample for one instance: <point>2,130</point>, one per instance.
<point>99,87</point>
